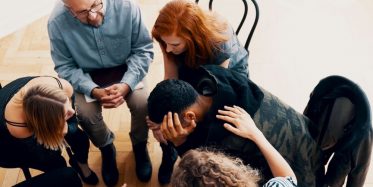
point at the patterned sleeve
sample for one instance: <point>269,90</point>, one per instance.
<point>281,182</point>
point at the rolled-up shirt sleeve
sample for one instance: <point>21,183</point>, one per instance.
<point>65,65</point>
<point>141,50</point>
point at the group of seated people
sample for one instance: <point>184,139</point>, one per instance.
<point>227,130</point>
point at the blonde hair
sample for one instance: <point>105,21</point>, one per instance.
<point>202,167</point>
<point>44,110</point>
<point>202,31</point>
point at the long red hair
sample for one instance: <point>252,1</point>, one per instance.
<point>202,31</point>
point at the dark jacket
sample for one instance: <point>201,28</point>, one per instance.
<point>342,125</point>
<point>285,129</point>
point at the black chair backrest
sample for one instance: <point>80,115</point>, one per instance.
<point>247,43</point>
<point>26,171</point>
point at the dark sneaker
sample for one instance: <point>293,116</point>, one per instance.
<point>91,179</point>
<point>142,160</point>
<point>110,172</point>
<point>169,158</point>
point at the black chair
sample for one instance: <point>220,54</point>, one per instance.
<point>342,127</point>
<point>26,171</point>
<point>247,43</point>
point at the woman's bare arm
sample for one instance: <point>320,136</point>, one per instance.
<point>244,126</point>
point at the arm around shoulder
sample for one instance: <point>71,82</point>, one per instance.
<point>241,124</point>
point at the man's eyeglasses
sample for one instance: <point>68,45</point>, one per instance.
<point>97,6</point>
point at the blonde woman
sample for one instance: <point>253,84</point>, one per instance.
<point>36,118</point>
<point>204,167</point>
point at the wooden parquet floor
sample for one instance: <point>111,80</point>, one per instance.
<point>289,54</point>
<point>26,52</point>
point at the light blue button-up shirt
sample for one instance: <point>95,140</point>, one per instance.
<point>77,48</point>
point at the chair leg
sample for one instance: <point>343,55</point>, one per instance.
<point>26,173</point>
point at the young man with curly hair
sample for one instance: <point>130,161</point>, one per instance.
<point>187,109</point>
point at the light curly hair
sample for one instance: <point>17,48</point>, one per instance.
<point>202,167</point>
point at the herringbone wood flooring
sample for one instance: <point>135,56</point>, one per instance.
<point>26,52</point>
<point>274,53</point>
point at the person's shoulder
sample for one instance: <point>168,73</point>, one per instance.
<point>123,7</point>
<point>212,68</point>
<point>219,71</point>
<point>19,132</point>
<point>67,87</point>
<point>58,11</point>
<point>226,46</point>
<point>124,3</point>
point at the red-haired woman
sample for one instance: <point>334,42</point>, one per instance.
<point>190,37</point>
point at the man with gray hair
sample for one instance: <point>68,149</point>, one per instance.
<point>103,49</point>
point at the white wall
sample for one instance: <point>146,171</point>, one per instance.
<point>15,14</point>
<point>299,42</point>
